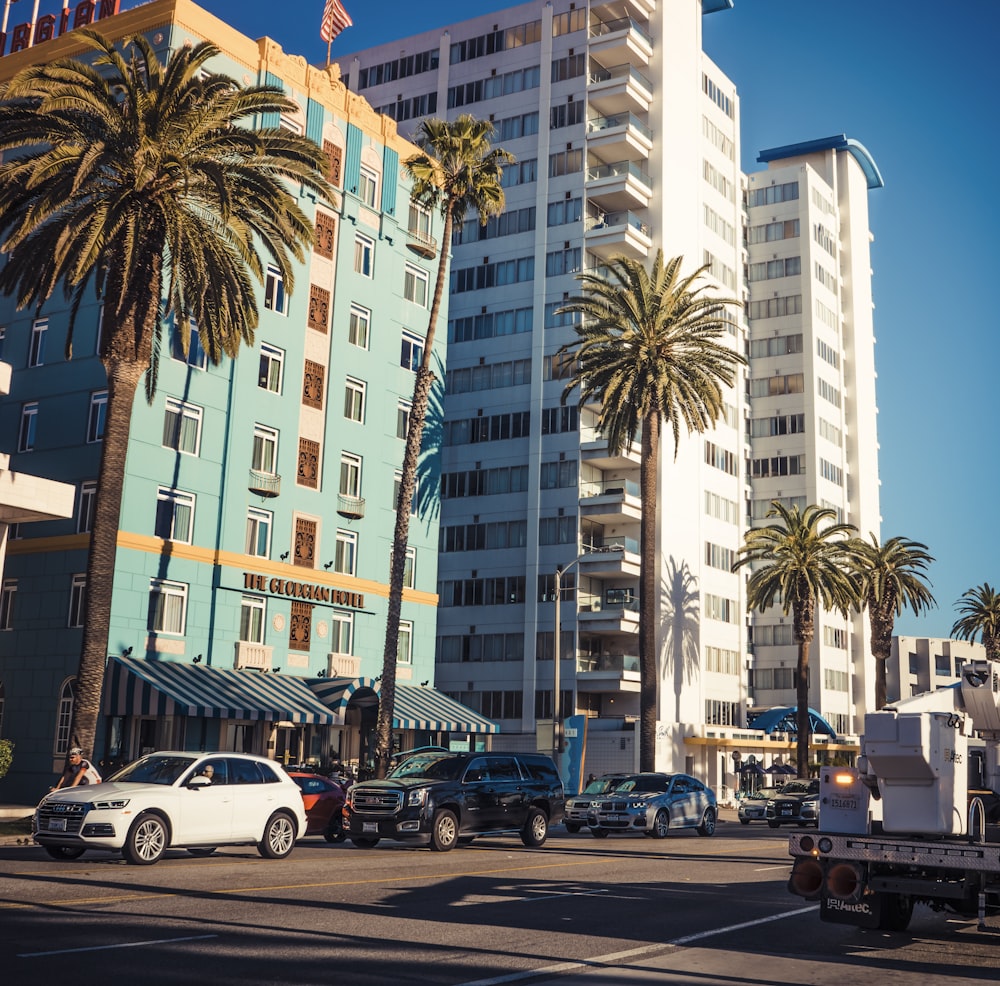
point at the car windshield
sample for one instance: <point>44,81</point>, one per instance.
<point>763,794</point>
<point>154,769</point>
<point>644,783</point>
<point>602,784</point>
<point>437,766</point>
<point>801,787</point>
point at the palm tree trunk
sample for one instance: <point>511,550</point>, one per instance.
<point>407,487</point>
<point>881,623</point>
<point>648,581</point>
<point>804,615</point>
<point>123,380</point>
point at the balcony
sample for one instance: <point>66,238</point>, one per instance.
<point>264,483</point>
<point>622,135</point>
<point>616,613</point>
<point>621,39</point>
<point>610,557</point>
<point>618,89</point>
<point>421,242</point>
<point>618,233</point>
<point>607,673</point>
<point>343,666</point>
<point>594,450</point>
<point>254,656</point>
<point>614,501</point>
<point>351,507</point>
<point>618,186</point>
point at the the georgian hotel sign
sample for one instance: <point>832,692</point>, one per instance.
<point>49,26</point>
<point>308,591</point>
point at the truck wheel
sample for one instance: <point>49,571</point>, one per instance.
<point>772,824</point>
<point>444,831</point>
<point>536,828</point>
<point>707,826</point>
<point>146,841</point>
<point>364,843</point>
<point>897,909</point>
<point>572,827</point>
<point>661,825</point>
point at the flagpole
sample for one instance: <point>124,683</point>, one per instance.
<point>329,45</point>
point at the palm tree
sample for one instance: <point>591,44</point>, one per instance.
<point>890,578</point>
<point>143,183</point>
<point>649,348</point>
<point>802,560</point>
<point>456,170</point>
<point>980,609</point>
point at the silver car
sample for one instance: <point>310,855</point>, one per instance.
<point>654,804</point>
<point>753,808</point>
<point>195,801</point>
<point>578,807</point>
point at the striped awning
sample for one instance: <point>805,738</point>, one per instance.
<point>164,688</point>
<point>336,693</point>
<point>427,708</point>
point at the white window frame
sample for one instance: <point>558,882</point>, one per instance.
<point>411,350</point>
<point>85,506</point>
<point>97,419</point>
<point>345,559</point>
<point>404,643</point>
<point>410,568</point>
<point>354,400</point>
<point>64,716</point>
<point>397,483</point>
<point>264,437</point>
<point>341,627</point>
<point>258,520</point>
<point>177,499</point>
<point>272,364</point>
<point>353,465</point>
<point>196,355</point>
<point>415,278</point>
<point>275,299</point>
<point>8,593</point>
<point>253,619</point>
<point>36,350</point>
<point>364,255</point>
<point>28,431</point>
<point>403,411</point>
<point>361,319</point>
<point>77,600</point>
<point>159,616</point>
<point>368,186</point>
<point>184,414</point>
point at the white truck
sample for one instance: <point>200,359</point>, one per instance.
<point>918,819</point>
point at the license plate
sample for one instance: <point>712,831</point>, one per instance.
<point>57,824</point>
<point>616,818</point>
<point>369,826</point>
<point>848,803</point>
<point>786,811</point>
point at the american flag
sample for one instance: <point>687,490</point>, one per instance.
<point>335,19</point>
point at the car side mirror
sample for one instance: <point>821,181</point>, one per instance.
<point>199,780</point>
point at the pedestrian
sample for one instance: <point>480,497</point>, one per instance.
<point>78,771</point>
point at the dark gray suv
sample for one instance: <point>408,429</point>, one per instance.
<point>442,799</point>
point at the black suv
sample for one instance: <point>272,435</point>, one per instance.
<point>445,798</point>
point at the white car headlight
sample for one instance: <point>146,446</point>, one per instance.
<point>638,804</point>
<point>417,797</point>
<point>111,803</point>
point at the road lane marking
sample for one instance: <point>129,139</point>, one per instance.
<point>616,958</point>
<point>107,948</point>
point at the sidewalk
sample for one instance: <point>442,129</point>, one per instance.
<point>10,813</point>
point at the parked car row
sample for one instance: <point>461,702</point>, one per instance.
<point>431,796</point>
<point>794,803</point>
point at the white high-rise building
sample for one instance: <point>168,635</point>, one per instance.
<point>626,137</point>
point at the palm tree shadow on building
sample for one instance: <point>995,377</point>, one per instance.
<point>680,627</point>
<point>427,500</point>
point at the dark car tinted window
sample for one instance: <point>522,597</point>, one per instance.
<point>540,769</point>
<point>504,769</point>
<point>155,769</point>
<point>436,766</point>
<point>244,772</point>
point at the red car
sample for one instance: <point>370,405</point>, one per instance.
<point>323,801</point>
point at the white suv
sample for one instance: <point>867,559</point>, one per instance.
<point>194,801</point>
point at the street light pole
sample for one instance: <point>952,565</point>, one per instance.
<point>556,683</point>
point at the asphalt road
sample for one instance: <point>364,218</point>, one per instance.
<point>577,912</point>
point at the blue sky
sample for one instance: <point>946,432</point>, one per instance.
<point>916,83</point>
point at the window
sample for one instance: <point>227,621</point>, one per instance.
<point>265,450</point>
<point>252,611</point>
<point>411,352</point>
<point>307,468</point>
<point>368,186</point>
<point>272,364</point>
<point>364,255</point>
<point>415,283</point>
<point>77,600</point>
<point>300,626</point>
<point>350,475</point>
<point>182,426</point>
<point>341,632</point>
<point>345,559</point>
<point>7,594</point>
<point>85,506</point>
<point>167,606</point>
<point>404,649</point>
<point>64,717</point>
<point>410,568</point>
<point>259,532</point>
<point>396,485</point>
<point>313,384</point>
<point>403,409</point>
<point>354,400</point>
<point>357,333</point>
<point>195,355</point>
<point>174,515</point>
<point>420,221</point>
<point>36,352</point>
<point>274,290</point>
<point>29,425</point>
<point>98,416</point>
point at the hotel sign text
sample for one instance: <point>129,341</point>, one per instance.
<point>303,590</point>
<point>51,26</point>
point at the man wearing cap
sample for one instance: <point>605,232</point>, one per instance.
<point>76,770</point>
